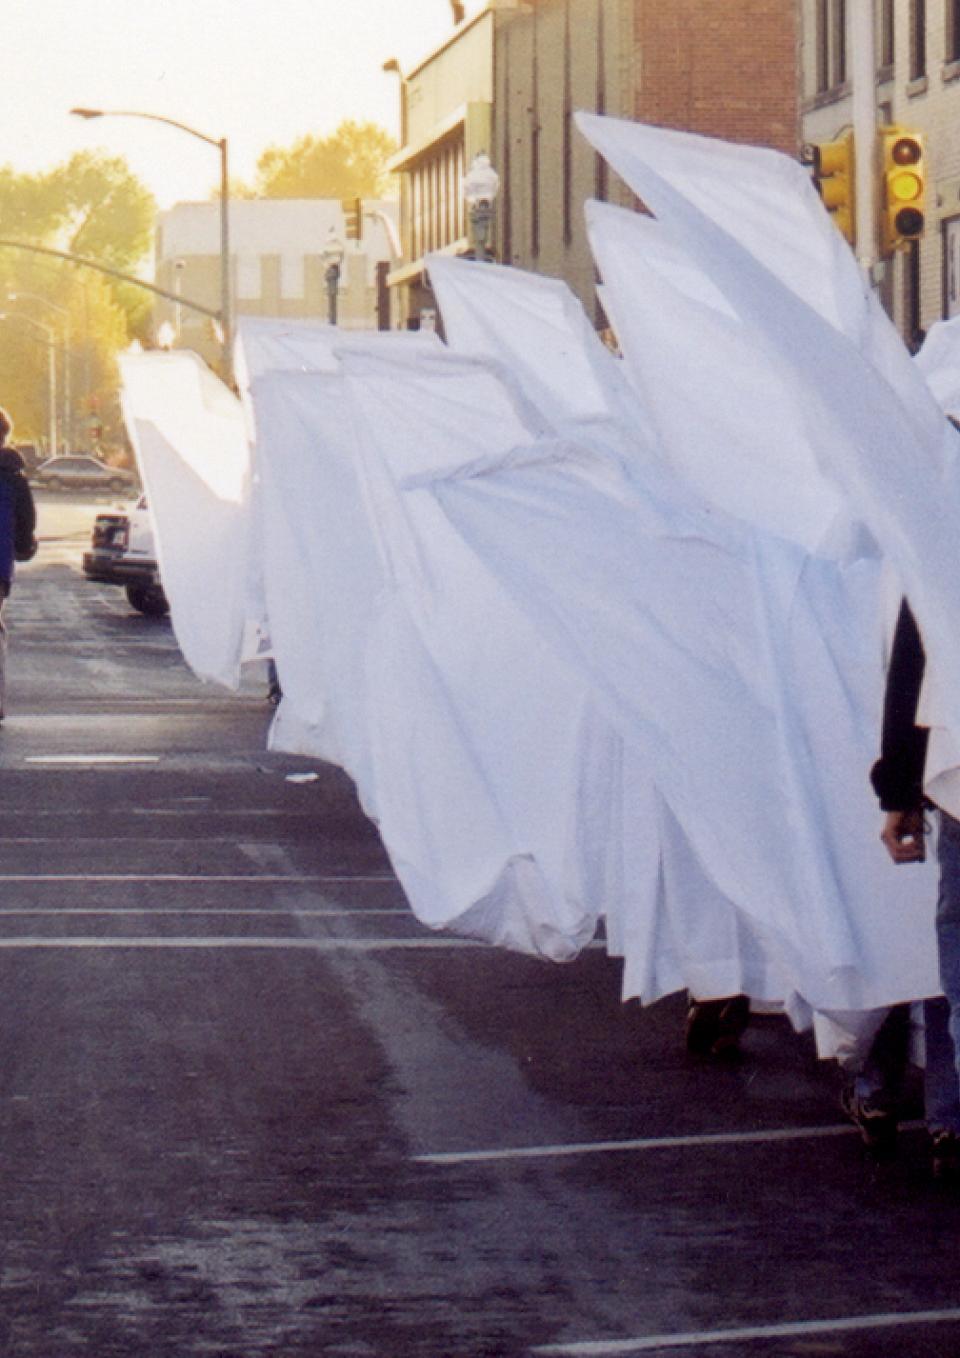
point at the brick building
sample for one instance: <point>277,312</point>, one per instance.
<point>724,68</point>
<point>509,80</point>
<point>918,88</point>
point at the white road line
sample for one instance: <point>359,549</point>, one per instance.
<point>60,813</point>
<point>164,910</point>
<point>137,838</point>
<point>643,1143</point>
<point>92,759</point>
<point>183,877</point>
<point>296,944</point>
<point>613,1348</point>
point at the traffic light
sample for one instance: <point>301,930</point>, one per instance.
<point>352,217</point>
<point>833,178</point>
<point>903,184</point>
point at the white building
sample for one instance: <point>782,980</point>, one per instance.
<point>276,263</point>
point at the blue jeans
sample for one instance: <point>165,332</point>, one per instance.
<point>942,1017</point>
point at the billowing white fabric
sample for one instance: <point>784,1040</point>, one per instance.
<point>689,674</point>
<point>569,673</point>
<point>268,344</point>
<point>188,434</point>
<point>939,361</point>
<point>428,672</point>
<point>868,412</point>
<point>826,613</point>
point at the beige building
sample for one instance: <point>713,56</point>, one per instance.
<point>446,105</point>
<point>552,59</point>
<point>277,264</point>
<point>508,82</point>
<point>918,88</point>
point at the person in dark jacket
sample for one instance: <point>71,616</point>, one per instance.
<point>18,522</point>
<point>897,778</point>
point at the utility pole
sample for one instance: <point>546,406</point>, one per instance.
<point>863,70</point>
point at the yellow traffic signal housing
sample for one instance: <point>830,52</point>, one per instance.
<point>902,188</point>
<point>352,217</point>
<point>833,178</point>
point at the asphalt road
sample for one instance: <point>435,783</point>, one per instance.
<point>249,1106</point>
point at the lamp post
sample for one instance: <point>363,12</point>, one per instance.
<point>178,266</point>
<point>333,253</point>
<point>51,371</point>
<point>481,184</point>
<point>66,424</point>
<point>225,317</point>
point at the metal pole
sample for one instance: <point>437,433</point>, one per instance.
<point>863,69</point>
<point>332,280</point>
<point>52,371</point>
<point>68,432</point>
<point>226,315</point>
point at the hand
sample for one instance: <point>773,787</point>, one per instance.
<point>903,833</point>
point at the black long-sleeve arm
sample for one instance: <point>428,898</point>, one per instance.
<point>24,518</point>
<point>897,776</point>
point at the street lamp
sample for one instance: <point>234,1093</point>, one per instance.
<point>51,370</point>
<point>225,316</point>
<point>333,253</point>
<point>481,184</point>
<point>178,265</point>
<point>66,423</point>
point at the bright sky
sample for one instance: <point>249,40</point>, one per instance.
<point>259,72</point>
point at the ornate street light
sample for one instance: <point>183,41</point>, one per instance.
<point>225,317</point>
<point>481,184</point>
<point>333,253</point>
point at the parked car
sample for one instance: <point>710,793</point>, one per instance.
<point>32,456</point>
<point>81,471</point>
<point>122,553</point>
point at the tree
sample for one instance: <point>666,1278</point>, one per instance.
<point>91,205</point>
<point>350,163</point>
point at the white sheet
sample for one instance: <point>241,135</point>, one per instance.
<point>188,434</point>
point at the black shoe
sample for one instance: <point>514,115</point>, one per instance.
<point>877,1125</point>
<point>714,1027</point>
<point>945,1156</point>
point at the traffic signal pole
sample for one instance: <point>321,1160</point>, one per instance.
<point>863,72</point>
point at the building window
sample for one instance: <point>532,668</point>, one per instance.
<point>291,277</point>
<point>951,268</point>
<point>918,39</point>
<point>911,293</point>
<point>567,133</point>
<point>248,277</point>
<point>601,185</point>
<point>535,143</point>
<point>839,41</point>
<point>822,38</point>
<point>952,50</point>
<point>885,48</point>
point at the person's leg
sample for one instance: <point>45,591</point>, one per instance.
<point>941,1090</point>
<point>873,1059</point>
<point>942,1018</point>
<point>714,1027</point>
<point>948,919</point>
<point>3,651</point>
<point>881,1078</point>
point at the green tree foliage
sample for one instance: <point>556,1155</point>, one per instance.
<point>93,206</point>
<point>350,163</point>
